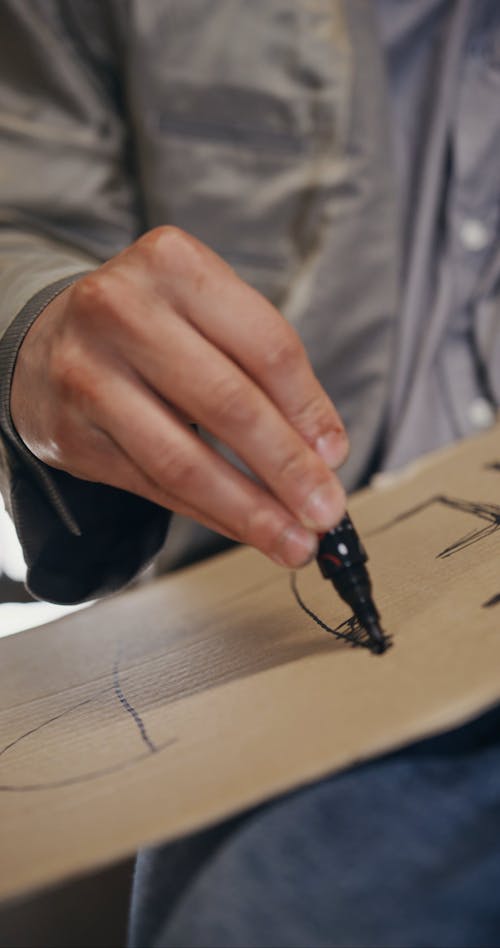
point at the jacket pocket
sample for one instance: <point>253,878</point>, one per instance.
<point>243,113</point>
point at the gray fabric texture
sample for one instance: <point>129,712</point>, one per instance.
<point>299,141</point>
<point>444,73</point>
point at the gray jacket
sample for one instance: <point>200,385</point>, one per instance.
<point>270,130</point>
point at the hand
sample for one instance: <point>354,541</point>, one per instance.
<point>116,367</point>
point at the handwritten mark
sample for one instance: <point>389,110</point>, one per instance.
<point>484,511</point>
<point>125,703</point>
<point>494,601</point>
<point>350,630</point>
<point>152,748</point>
<point>38,727</point>
<point>81,778</point>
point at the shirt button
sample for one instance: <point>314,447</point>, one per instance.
<point>481,413</point>
<point>473,234</point>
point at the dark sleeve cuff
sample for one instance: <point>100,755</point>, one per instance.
<point>80,540</point>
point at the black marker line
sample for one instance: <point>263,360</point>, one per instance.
<point>494,601</point>
<point>38,727</point>
<point>125,703</point>
<point>485,511</point>
<point>83,778</point>
<point>349,631</point>
<point>91,775</point>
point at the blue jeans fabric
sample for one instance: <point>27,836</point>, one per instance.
<point>403,851</point>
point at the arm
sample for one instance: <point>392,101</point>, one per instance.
<point>115,367</point>
<point>67,202</point>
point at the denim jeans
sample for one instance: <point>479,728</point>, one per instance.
<point>403,851</point>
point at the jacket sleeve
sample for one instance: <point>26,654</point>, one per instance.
<point>68,202</point>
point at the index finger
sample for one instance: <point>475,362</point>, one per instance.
<point>252,332</point>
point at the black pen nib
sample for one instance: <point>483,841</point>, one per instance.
<point>379,641</point>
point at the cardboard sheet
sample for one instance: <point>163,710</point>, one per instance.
<point>179,703</point>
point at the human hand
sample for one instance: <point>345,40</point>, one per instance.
<point>112,373</point>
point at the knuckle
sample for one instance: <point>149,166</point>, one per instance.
<point>177,473</point>
<point>104,306</point>
<point>73,381</point>
<point>169,246</point>
<point>65,372</point>
<point>232,404</point>
<point>284,351</point>
<point>295,468</point>
<point>261,529</point>
<point>95,294</point>
<point>314,418</point>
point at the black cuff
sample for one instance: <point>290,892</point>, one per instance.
<point>80,540</point>
<point>119,535</point>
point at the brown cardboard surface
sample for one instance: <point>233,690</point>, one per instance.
<point>176,704</point>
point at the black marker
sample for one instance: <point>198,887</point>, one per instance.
<point>341,558</point>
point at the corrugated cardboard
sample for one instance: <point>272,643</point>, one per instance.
<point>179,703</point>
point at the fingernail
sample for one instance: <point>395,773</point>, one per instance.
<point>332,448</point>
<point>323,507</point>
<point>297,547</point>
